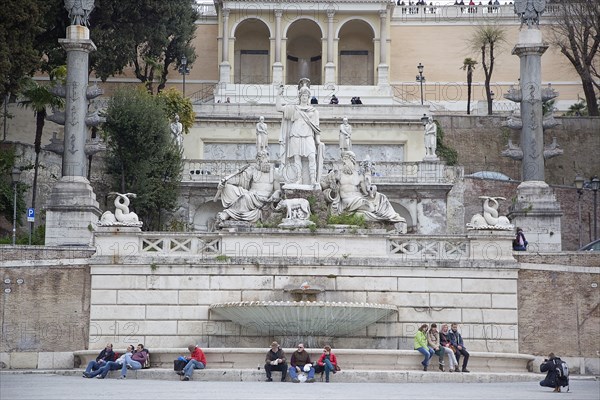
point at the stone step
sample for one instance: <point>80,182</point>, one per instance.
<point>349,359</point>
<point>344,376</point>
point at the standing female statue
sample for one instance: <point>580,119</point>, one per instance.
<point>300,138</point>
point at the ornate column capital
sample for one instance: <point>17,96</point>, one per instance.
<point>278,12</point>
<point>330,13</point>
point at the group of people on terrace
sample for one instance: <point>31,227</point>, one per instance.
<point>430,341</point>
<point>469,7</point>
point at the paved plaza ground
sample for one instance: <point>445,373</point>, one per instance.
<point>57,387</point>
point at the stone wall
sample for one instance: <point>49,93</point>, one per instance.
<point>167,305</point>
<point>45,316</point>
<point>479,141</point>
<point>549,304</point>
<point>559,311</point>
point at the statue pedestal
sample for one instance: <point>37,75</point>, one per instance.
<point>538,213</point>
<point>224,73</point>
<point>71,213</point>
<point>330,73</point>
<point>383,75</point>
<point>278,73</point>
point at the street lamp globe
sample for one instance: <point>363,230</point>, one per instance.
<point>15,175</point>
<point>579,183</point>
<point>595,183</point>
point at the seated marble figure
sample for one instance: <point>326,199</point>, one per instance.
<point>350,191</point>
<point>245,193</point>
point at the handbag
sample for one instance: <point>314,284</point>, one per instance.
<point>178,365</point>
<point>337,367</point>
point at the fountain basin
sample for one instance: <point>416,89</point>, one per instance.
<point>310,318</point>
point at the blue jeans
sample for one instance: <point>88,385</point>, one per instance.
<point>94,365</point>
<point>294,374</point>
<point>328,367</point>
<point>189,368</point>
<point>427,353</point>
<point>134,365</point>
<point>103,371</point>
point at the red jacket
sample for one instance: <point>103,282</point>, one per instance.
<point>332,358</point>
<point>198,355</point>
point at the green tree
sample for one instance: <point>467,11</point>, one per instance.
<point>148,35</point>
<point>7,162</point>
<point>175,103</point>
<point>469,66</point>
<point>141,156</point>
<point>38,98</point>
<point>576,32</point>
<point>488,40</point>
<point>20,23</point>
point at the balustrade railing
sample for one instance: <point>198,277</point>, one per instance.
<point>166,243</point>
<point>438,13</point>
<point>383,171</point>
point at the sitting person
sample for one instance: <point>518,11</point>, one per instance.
<point>433,341</point>
<point>421,346</point>
<point>111,365</point>
<point>105,356</point>
<point>135,360</point>
<point>552,379</point>
<point>275,361</point>
<point>457,341</point>
<point>300,359</point>
<point>520,243</point>
<point>197,360</point>
<point>334,100</point>
<point>448,349</point>
<point>327,362</point>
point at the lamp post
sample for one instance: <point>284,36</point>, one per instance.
<point>579,185</point>
<point>15,175</point>
<point>595,186</point>
<point>420,78</point>
<point>184,70</point>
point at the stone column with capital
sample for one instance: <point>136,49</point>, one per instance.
<point>72,210</point>
<point>330,64</point>
<point>383,67</point>
<point>224,66</point>
<point>277,65</point>
<point>535,210</point>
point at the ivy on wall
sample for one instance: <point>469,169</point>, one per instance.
<point>442,150</point>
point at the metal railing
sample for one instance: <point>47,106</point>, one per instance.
<point>206,94</point>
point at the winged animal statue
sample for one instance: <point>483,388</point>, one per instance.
<point>79,11</point>
<point>529,11</point>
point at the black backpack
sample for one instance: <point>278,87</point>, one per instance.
<point>562,372</point>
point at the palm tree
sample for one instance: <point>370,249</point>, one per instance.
<point>469,66</point>
<point>488,40</point>
<point>38,98</point>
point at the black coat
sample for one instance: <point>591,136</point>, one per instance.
<point>106,355</point>
<point>551,379</point>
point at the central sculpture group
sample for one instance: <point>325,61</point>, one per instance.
<point>347,189</point>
